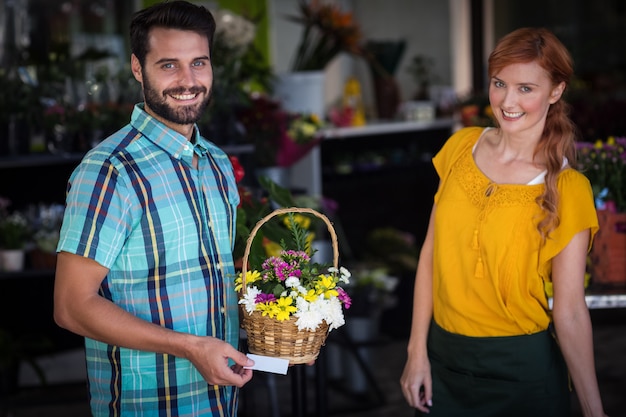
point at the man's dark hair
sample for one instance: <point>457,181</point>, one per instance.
<point>177,14</point>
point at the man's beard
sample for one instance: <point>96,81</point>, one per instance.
<point>182,115</point>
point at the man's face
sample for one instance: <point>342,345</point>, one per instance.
<point>177,76</point>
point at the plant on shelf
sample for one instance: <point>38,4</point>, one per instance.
<point>421,70</point>
<point>280,138</point>
<point>604,163</point>
<point>475,110</point>
<point>257,203</point>
<point>239,69</point>
<point>372,288</point>
<point>327,31</point>
<point>14,228</point>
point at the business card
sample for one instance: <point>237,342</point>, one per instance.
<point>268,364</point>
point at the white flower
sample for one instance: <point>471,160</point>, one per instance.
<point>344,274</point>
<point>308,318</point>
<point>236,32</point>
<point>292,282</point>
<point>334,314</point>
<point>248,299</point>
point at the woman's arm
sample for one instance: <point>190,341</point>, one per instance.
<point>573,324</point>
<point>416,379</point>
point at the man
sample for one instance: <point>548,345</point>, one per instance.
<point>145,267</point>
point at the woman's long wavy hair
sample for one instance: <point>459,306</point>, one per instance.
<point>559,133</point>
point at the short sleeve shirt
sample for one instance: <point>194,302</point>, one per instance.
<point>166,232</point>
<point>490,264</point>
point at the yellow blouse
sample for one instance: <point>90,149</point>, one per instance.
<point>489,264</point>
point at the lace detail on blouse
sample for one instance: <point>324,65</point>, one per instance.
<point>478,186</point>
<point>487,195</point>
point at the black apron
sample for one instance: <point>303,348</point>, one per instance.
<point>497,376</point>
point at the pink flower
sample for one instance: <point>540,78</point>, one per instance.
<point>344,297</point>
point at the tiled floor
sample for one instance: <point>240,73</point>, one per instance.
<point>347,390</point>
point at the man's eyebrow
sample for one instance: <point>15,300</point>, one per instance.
<point>164,60</point>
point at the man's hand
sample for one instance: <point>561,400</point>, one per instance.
<point>211,356</point>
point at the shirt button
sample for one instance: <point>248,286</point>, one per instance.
<point>222,310</point>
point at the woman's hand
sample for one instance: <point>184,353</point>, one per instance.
<point>416,382</point>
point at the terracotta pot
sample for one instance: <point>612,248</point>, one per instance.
<point>608,254</point>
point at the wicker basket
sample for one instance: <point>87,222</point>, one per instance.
<point>270,337</point>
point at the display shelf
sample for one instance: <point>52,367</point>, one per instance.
<point>606,300</point>
<point>387,128</point>
<point>602,298</point>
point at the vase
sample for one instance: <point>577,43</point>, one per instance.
<point>387,96</point>
<point>608,254</point>
<point>11,260</point>
<point>301,92</point>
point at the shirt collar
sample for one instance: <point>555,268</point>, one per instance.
<point>167,139</point>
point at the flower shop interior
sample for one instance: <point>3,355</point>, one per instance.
<point>349,132</point>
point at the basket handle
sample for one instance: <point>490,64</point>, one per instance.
<point>253,232</point>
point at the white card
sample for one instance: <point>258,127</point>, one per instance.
<point>268,364</point>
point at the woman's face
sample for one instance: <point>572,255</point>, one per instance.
<point>520,96</point>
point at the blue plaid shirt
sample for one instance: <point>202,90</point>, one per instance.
<point>166,232</point>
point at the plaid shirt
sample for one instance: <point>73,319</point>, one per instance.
<point>165,231</point>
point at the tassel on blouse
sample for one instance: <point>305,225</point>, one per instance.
<point>478,271</point>
<point>475,240</point>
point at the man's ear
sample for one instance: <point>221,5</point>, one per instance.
<point>135,67</point>
<point>557,92</point>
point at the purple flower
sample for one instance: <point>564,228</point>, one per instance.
<point>344,297</point>
<point>264,298</point>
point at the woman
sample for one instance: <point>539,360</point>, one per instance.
<point>510,215</point>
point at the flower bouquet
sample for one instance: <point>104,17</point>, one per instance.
<point>290,303</point>
<point>281,138</point>
<point>604,163</point>
<point>327,32</point>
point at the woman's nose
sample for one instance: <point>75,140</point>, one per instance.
<point>510,98</point>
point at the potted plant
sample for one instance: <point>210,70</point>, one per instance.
<point>280,137</point>
<point>14,235</point>
<point>604,163</point>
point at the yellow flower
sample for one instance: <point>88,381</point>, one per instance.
<point>272,249</point>
<point>283,308</point>
<point>266,309</point>
<point>303,221</point>
<point>325,286</point>
<point>310,296</point>
<point>251,276</point>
